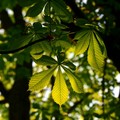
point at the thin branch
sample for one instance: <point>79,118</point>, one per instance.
<point>103,88</point>
<point>23,47</point>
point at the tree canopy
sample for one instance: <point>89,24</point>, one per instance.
<point>59,59</point>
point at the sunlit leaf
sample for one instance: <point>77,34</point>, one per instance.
<point>60,91</point>
<point>40,80</point>
<point>76,83</point>
<point>95,56</point>
<point>104,51</point>
<point>36,51</point>
<point>46,60</point>
<point>83,41</point>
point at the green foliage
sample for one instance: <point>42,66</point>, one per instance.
<point>89,40</point>
<point>61,10</point>
<point>60,90</point>
<point>40,80</point>
<point>66,50</point>
<point>76,83</point>
<point>36,9</point>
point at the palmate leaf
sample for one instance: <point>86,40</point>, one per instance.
<point>60,91</point>
<point>75,82</point>
<point>95,56</point>
<point>83,41</point>
<point>40,80</point>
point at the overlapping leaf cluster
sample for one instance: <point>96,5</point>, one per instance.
<point>60,91</point>
<point>88,41</point>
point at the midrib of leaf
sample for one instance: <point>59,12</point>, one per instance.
<point>45,78</point>
<point>94,51</point>
<point>101,43</point>
<point>75,83</point>
<point>83,43</point>
<point>60,91</point>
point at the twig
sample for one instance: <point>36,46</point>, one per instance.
<point>23,47</point>
<point>103,89</point>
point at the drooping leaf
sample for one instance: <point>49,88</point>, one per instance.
<point>69,64</point>
<point>46,60</point>
<point>60,91</point>
<point>76,83</point>
<point>60,10</point>
<point>40,80</point>
<point>36,9</point>
<point>95,56</point>
<point>83,41</point>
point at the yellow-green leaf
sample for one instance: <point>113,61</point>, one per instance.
<point>95,56</point>
<point>60,91</point>
<point>75,82</point>
<point>36,51</point>
<point>40,80</point>
<point>104,51</point>
<point>83,41</point>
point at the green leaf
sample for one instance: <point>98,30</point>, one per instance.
<point>36,51</point>
<point>36,9</point>
<point>40,80</point>
<point>39,29</point>
<point>20,42</point>
<point>80,22</point>
<point>46,60</point>
<point>95,56</point>
<point>24,3</point>
<point>69,64</point>
<point>64,44</point>
<point>83,41</point>
<point>60,91</point>
<point>76,83</point>
<point>61,10</point>
<point>45,45</point>
<point>104,51</point>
